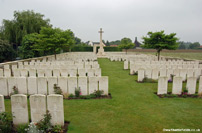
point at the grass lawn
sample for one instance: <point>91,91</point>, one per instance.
<point>189,55</point>
<point>133,108</point>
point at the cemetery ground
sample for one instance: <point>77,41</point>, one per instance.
<point>133,108</point>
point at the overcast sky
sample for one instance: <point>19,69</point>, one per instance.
<point>118,18</point>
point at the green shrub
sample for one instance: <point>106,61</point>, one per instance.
<point>98,93</point>
<point>15,90</point>
<point>57,89</point>
<point>5,122</point>
<point>77,92</point>
<point>184,96</point>
<point>174,95</point>
<point>22,128</point>
<point>57,129</point>
<point>92,95</point>
<point>71,96</point>
<point>44,125</point>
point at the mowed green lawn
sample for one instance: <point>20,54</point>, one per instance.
<point>133,108</point>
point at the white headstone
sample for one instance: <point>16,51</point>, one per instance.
<point>6,67</point>
<point>191,85</point>
<point>82,72</point>
<point>3,86</point>
<point>22,85</point>
<point>169,73</point>
<point>90,72</point>
<point>200,85</point>
<point>19,109</point>
<point>72,72</point>
<point>98,72</point>
<point>48,72</point>
<point>148,73</point>
<point>155,74</point>
<point>64,72</point>
<point>16,73</point>
<point>42,85</point>
<point>163,73</point>
<point>190,73</point>
<point>72,85</point>
<point>32,85</point>
<point>93,84</point>
<point>140,75</point>
<point>82,84</point>
<point>177,85</point>
<point>1,73</point>
<point>41,72</point>
<point>125,65</point>
<point>62,83</point>
<point>176,72</point>
<point>14,67</point>
<point>12,82</point>
<point>56,72</point>
<point>51,82</point>
<point>32,72</point>
<point>2,105</point>
<point>197,73</point>
<point>56,109</point>
<point>162,85</point>
<point>183,74</point>
<point>23,72</point>
<point>37,107</point>
<point>103,84</point>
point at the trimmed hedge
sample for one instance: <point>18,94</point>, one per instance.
<point>112,49</point>
<point>80,48</point>
<point>90,49</point>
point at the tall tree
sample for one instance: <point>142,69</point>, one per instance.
<point>182,46</point>
<point>160,41</point>
<point>54,40</point>
<point>24,23</point>
<point>107,43</point>
<point>194,45</point>
<point>26,49</point>
<point>126,43</point>
<point>7,52</point>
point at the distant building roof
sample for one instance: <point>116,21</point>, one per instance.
<point>137,44</point>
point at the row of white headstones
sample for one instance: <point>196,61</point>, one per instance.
<point>39,104</point>
<point>43,85</point>
<point>124,57</point>
<point>48,72</point>
<point>61,65</point>
<point>155,73</point>
<point>177,85</point>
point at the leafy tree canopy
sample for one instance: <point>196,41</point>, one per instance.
<point>126,43</point>
<point>160,41</point>
<point>25,22</point>
<point>194,45</point>
<point>55,40</point>
<point>6,51</point>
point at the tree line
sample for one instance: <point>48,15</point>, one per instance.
<point>29,35</point>
<point>188,45</point>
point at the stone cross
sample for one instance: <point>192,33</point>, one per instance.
<point>101,37</point>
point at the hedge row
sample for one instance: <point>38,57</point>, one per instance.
<point>90,49</point>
